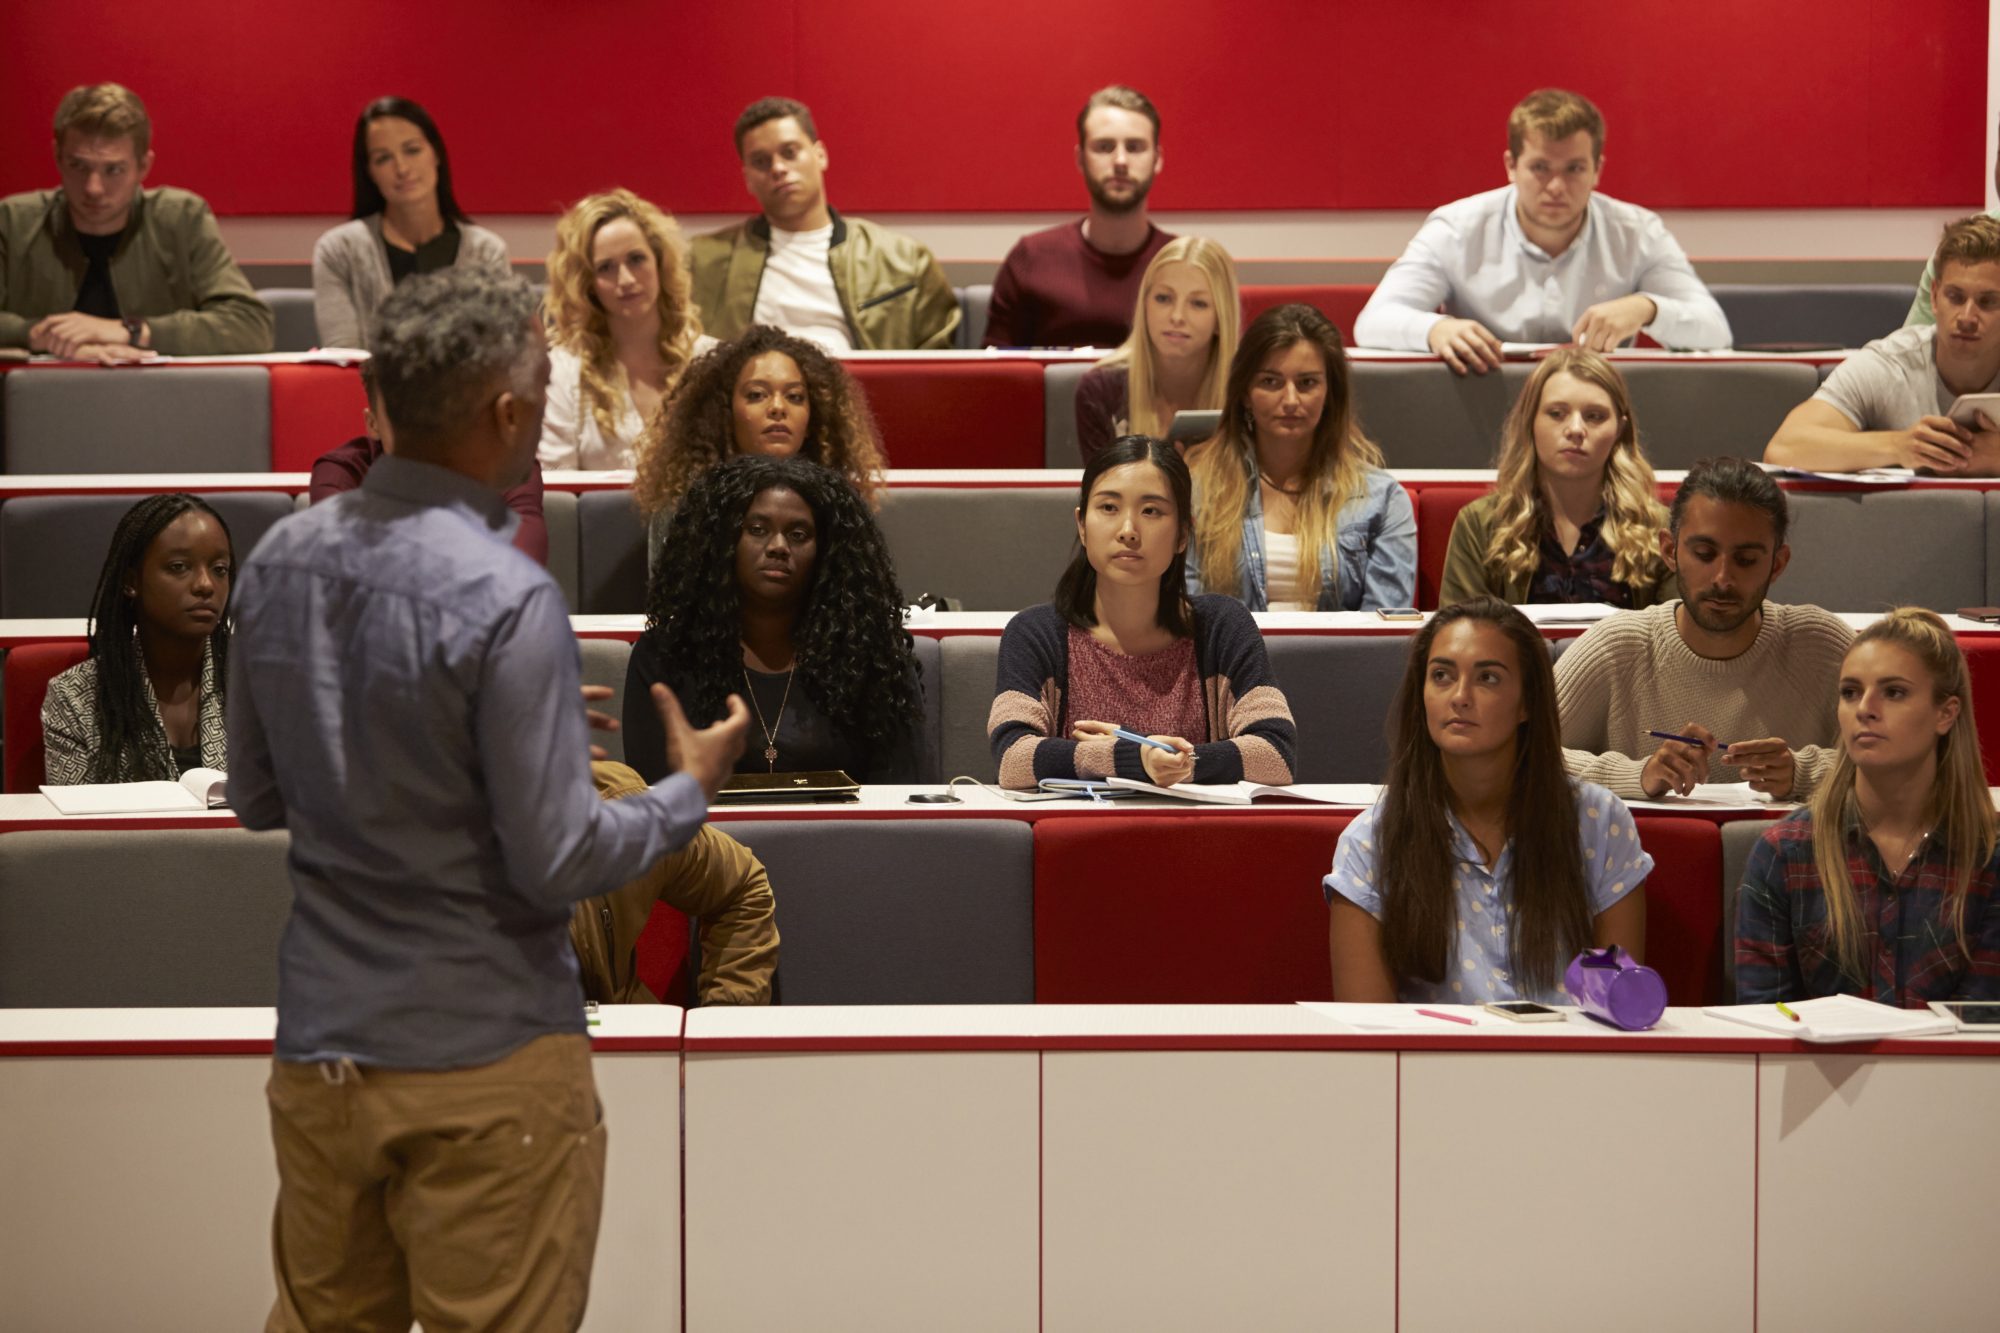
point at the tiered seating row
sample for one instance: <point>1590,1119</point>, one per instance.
<point>1026,905</point>
<point>999,545</point>
<point>947,410</point>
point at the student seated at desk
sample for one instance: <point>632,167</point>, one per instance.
<point>1124,646</point>
<point>1293,509</point>
<point>1483,868</point>
<point>1176,358</point>
<point>1883,887</point>
<point>775,584</point>
<point>764,393</point>
<point>621,328</point>
<point>1572,517</point>
<point>147,704</point>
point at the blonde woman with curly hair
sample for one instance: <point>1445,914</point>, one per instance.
<point>1883,886</point>
<point>1177,356</point>
<point>1293,510</point>
<point>1573,517</point>
<point>621,328</point>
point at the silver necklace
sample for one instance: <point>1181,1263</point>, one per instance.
<point>770,732</point>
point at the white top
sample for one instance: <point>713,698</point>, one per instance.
<point>1892,382</point>
<point>570,437</point>
<point>1281,569</point>
<point>1472,257</point>
<point>797,292</point>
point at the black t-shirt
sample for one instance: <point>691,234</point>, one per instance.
<point>804,737</point>
<point>440,251</point>
<point>187,757</point>
<point>95,296</point>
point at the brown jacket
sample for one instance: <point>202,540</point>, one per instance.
<point>171,269</point>
<point>1466,573</point>
<point>714,879</point>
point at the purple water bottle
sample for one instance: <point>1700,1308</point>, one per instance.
<point>1610,985</point>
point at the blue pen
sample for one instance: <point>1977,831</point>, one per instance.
<point>1125,735</point>
<point>1686,740</point>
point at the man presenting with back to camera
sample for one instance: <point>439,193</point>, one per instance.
<point>405,701</point>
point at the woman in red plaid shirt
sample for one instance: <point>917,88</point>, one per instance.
<point>1884,886</point>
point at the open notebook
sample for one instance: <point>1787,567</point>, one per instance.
<point>198,789</point>
<point>1243,793</point>
<point>1835,1018</point>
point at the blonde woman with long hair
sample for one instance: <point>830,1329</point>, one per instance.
<point>1883,887</point>
<point>1293,509</point>
<point>1176,358</point>
<point>621,328</point>
<point>1573,516</point>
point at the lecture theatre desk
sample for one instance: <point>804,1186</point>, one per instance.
<point>1097,1167</point>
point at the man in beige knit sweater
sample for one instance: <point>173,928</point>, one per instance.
<point>1753,683</point>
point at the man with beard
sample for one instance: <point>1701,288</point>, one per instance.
<point>1076,285</point>
<point>845,283</point>
<point>1751,684</point>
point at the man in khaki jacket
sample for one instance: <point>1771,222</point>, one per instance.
<point>712,878</point>
<point>101,269</point>
<point>843,282</point>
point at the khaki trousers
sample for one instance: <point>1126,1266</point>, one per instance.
<point>466,1198</point>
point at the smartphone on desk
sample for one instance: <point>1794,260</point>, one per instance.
<point>1986,615</point>
<point>1524,1011</point>
<point>1399,613</point>
<point>1970,1015</point>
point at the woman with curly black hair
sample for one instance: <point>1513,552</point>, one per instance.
<point>776,584</point>
<point>765,393</point>
<point>147,704</point>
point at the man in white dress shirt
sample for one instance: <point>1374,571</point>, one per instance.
<point>1544,259</point>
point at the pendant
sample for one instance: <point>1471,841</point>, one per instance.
<point>770,754</point>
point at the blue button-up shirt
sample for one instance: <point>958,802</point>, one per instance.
<point>1374,565</point>
<point>403,698</point>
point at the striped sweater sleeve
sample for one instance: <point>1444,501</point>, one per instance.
<point>1258,741</point>
<point>1024,726</point>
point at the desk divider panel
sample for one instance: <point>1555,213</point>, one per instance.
<point>1341,691</point>
<point>1715,409</point>
<point>972,413</point>
<point>993,550</point>
<point>1739,837</point>
<point>611,554</point>
<point>1059,384</point>
<point>1846,315</point>
<point>157,419</point>
<point>968,667</point>
<point>313,409</point>
<point>296,322</point>
<point>1208,908</point>
<point>1871,550</point>
<point>1424,416</point>
<point>1685,935</point>
<point>141,917</point>
<point>559,513</point>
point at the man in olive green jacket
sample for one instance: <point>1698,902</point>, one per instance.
<point>843,282</point>
<point>102,269</point>
<point>714,879</point>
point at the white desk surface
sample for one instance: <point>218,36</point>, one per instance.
<point>252,1030</point>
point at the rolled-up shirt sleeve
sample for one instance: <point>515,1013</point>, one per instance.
<point>1688,316</point>
<point>558,840</point>
<point>1401,313</point>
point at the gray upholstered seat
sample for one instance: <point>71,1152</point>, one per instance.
<point>559,513</point>
<point>53,546</point>
<point>1738,837</point>
<point>157,419</point>
<point>968,669</point>
<point>1870,550</point>
<point>993,549</point>
<point>930,911</point>
<point>1340,688</point>
<point>141,918</point>
<point>1716,409</point>
<point>1849,315</point>
<point>1059,382</point>
<point>611,554</point>
<point>973,303</point>
<point>1423,415</point>
<point>292,308</point>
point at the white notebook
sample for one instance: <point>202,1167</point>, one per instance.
<point>198,789</point>
<point>1835,1018</point>
<point>1243,793</point>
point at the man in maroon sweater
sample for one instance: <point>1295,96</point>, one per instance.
<point>1075,285</point>
<point>342,468</point>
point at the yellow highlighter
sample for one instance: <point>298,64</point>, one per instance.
<point>1786,1010</point>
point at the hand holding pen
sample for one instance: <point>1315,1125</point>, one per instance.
<point>1767,763</point>
<point>1167,759</point>
<point>1679,763</point>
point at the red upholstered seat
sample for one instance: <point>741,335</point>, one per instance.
<point>313,408</point>
<point>956,414</point>
<point>1339,302</point>
<point>664,958</point>
<point>1437,507</point>
<point>1208,909</point>
<point>28,671</point>
<point>1684,926</point>
<point>1982,658</point>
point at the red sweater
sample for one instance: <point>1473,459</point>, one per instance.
<point>1056,290</point>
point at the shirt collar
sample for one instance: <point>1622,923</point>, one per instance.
<point>428,484</point>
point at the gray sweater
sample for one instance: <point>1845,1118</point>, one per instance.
<point>351,274</point>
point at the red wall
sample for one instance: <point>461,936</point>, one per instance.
<point>943,107</point>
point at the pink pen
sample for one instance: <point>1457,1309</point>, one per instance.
<point>1449,1018</point>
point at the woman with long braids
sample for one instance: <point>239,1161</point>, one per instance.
<point>1483,869</point>
<point>1883,886</point>
<point>775,584</point>
<point>147,704</point>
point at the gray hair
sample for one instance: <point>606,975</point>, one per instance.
<point>442,339</point>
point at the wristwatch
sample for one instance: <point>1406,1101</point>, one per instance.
<point>135,329</point>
